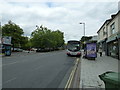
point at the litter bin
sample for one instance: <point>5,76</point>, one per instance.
<point>111,80</point>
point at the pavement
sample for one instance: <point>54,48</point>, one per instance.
<point>90,69</point>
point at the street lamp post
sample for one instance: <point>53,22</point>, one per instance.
<point>84,33</point>
<point>83,27</point>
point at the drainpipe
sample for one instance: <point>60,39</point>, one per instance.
<point>118,48</point>
<point>106,51</point>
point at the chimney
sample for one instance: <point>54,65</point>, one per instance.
<point>112,16</point>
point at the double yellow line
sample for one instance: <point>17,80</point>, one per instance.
<point>72,75</point>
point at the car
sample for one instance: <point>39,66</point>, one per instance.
<point>17,49</point>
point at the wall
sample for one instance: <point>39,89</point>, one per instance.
<point>100,33</point>
<point>119,48</point>
<point>116,26</point>
<point>119,21</point>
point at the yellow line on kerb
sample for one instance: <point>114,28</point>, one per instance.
<point>71,75</point>
<point>69,80</point>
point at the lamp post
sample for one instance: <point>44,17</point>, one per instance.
<point>84,33</point>
<point>83,27</point>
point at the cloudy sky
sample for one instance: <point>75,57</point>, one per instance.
<point>64,16</point>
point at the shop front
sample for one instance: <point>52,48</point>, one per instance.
<point>103,44</point>
<point>113,47</point>
<point>118,46</point>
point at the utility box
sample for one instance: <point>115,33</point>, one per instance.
<point>111,80</point>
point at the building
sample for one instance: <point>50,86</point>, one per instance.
<point>103,35</point>
<point>109,36</point>
<point>118,5</point>
<point>113,40</point>
<point>94,38</point>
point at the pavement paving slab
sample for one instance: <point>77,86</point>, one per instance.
<point>90,69</point>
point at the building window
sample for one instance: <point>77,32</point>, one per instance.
<point>99,36</point>
<point>112,28</point>
<point>104,31</point>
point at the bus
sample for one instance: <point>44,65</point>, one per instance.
<point>73,48</point>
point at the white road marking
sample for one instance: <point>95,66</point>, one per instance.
<point>9,80</point>
<point>9,63</point>
<point>38,68</point>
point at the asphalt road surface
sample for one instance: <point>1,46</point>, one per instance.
<point>36,70</point>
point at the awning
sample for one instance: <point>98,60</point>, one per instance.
<point>112,38</point>
<point>102,41</point>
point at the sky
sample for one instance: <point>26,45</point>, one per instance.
<point>58,15</point>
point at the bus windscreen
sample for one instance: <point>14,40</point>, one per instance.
<point>73,46</point>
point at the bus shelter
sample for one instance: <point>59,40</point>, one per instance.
<point>7,49</point>
<point>6,45</point>
<point>91,50</point>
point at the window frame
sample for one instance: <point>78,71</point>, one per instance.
<point>112,28</point>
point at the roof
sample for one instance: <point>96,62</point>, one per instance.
<point>73,41</point>
<point>104,24</point>
<point>109,20</point>
<point>114,15</point>
<point>94,38</point>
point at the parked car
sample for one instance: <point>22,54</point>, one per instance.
<point>17,49</point>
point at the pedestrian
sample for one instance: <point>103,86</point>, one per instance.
<point>84,53</point>
<point>100,51</point>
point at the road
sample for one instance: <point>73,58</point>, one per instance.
<point>37,70</point>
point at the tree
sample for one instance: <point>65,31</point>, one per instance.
<point>25,42</point>
<point>58,37</point>
<point>84,39</point>
<point>13,30</point>
<point>45,38</point>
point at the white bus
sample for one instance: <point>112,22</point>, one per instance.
<point>73,48</point>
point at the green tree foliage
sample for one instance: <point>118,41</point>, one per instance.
<point>25,43</point>
<point>14,30</point>
<point>45,38</point>
<point>84,39</point>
